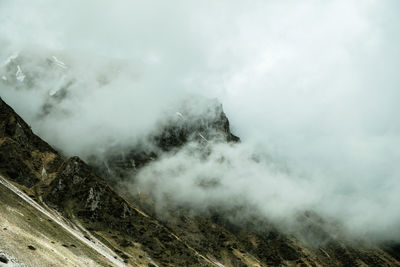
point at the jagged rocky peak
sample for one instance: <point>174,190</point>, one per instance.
<point>198,119</point>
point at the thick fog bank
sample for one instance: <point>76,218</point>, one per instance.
<point>311,87</point>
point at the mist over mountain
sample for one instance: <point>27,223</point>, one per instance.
<point>311,88</point>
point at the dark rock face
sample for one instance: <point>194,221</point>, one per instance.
<point>393,249</point>
<point>14,127</point>
<point>23,155</point>
<point>12,163</point>
<point>209,125</point>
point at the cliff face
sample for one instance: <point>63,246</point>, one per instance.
<point>208,124</point>
<point>87,202</point>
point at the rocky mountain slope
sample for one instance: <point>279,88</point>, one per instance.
<point>125,227</point>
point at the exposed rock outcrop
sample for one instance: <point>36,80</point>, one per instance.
<point>208,124</point>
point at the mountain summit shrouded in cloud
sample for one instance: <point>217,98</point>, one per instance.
<point>310,87</point>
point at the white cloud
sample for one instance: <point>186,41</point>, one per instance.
<point>312,84</point>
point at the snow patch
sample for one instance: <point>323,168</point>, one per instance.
<point>19,74</point>
<point>202,137</point>
<point>179,114</point>
<point>58,62</point>
<point>11,58</point>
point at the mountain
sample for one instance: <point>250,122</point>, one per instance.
<point>59,211</point>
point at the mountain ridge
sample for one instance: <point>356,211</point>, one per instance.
<point>75,190</point>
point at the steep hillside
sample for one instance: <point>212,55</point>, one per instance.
<point>70,187</point>
<point>126,226</point>
<point>31,235</point>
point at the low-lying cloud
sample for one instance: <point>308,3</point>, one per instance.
<point>313,86</point>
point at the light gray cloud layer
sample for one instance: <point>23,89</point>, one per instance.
<point>312,84</point>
